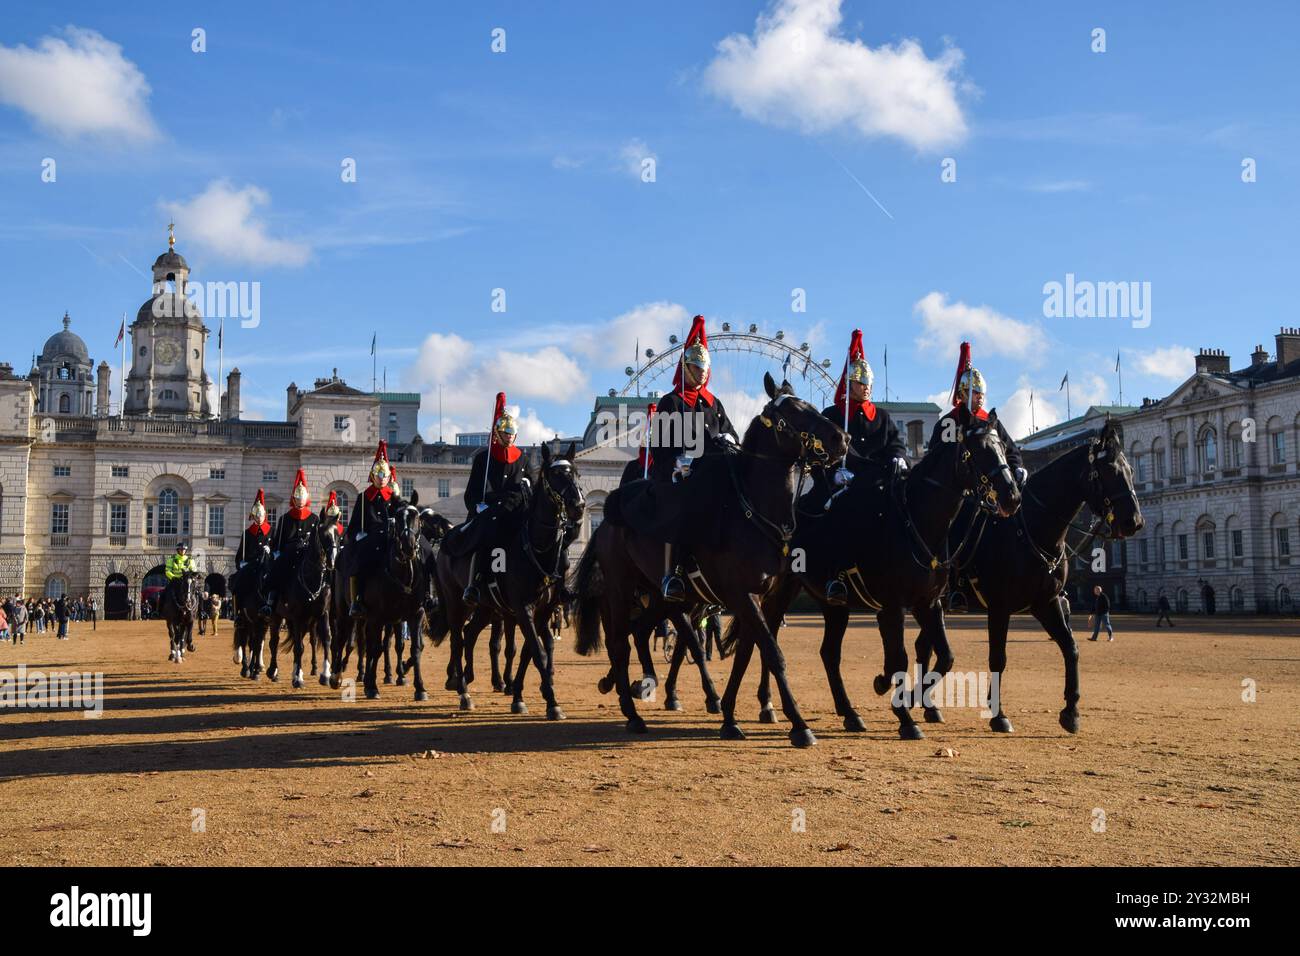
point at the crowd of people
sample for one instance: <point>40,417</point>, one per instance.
<point>20,616</point>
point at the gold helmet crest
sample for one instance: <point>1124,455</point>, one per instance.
<point>506,425</point>
<point>971,381</point>
<point>860,371</point>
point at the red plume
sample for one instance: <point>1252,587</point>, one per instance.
<point>265,526</point>
<point>697,334</point>
<point>305,510</point>
<point>856,353</point>
<point>963,363</point>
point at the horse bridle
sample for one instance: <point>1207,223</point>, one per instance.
<point>811,448</point>
<point>561,523</point>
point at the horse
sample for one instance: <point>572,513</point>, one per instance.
<point>889,535</point>
<point>688,639</point>
<point>248,594</point>
<point>179,607</point>
<point>394,590</point>
<point>1022,564</point>
<point>304,604</point>
<point>526,593</point>
<point>752,493</point>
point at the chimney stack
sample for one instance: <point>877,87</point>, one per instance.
<point>1258,357</point>
<point>1213,361</point>
<point>292,393</point>
<point>103,389</point>
<point>230,402</point>
<point>1288,346</point>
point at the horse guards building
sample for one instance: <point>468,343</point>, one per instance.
<point>95,494</point>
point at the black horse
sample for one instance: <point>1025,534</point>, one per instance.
<point>304,604</point>
<point>528,589</point>
<point>1021,564</point>
<point>688,640</point>
<point>179,606</point>
<point>738,560</point>
<point>889,536</point>
<point>394,589</point>
<point>248,594</point>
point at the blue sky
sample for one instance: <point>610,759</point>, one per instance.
<point>521,171</point>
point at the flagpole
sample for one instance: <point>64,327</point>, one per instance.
<point>1120,375</point>
<point>1033,421</point>
<point>374,367</point>
<point>886,373</point>
<point>221,367</point>
<point>121,385</point>
<point>1068,413</point>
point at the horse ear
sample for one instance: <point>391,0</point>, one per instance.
<point>546,455</point>
<point>415,497</point>
<point>769,385</point>
<point>573,450</point>
<point>993,416</point>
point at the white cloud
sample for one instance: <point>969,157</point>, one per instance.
<point>798,70</point>
<point>547,373</point>
<point>612,343</point>
<point>1173,362</point>
<point>222,219</point>
<point>1015,413</point>
<point>78,84</point>
<point>947,324</point>
<point>633,153</point>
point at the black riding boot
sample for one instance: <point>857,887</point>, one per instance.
<point>470,597</point>
<point>836,593</point>
<point>673,587</point>
<point>356,608</point>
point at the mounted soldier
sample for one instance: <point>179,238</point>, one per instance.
<point>968,390</point>
<point>368,525</point>
<point>293,535</point>
<point>256,539</point>
<point>333,511</point>
<point>875,446</point>
<point>495,497</point>
<point>691,418</point>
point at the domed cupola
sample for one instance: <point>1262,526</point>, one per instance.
<point>64,374</point>
<point>168,342</point>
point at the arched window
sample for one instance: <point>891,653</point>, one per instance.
<point>1205,541</point>
<point>1180,455</point>
<point>344,503</point>
<point>1234,541</point>
<point>1159,537</point>
<point>1284,599</point>
<point>1139,461</point>
<point>1236,599</point>
<point>1158,465</point>
<point>65,404</point>
<point>1276,442</point>
<point>168,511</point>
<point>1182,547</point>
<point>1180,601</point>
<point>56,586</point>
<point>1142,599</point>
<point>1207,451</point>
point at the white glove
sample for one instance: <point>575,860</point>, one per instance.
<point>361,536</point>
<point>682,467</point>
<point>729,438</point>
<point>480,508</point>
<point>900,465</point>
<point>842,477</point>
<point>276,555</point>
<point>1021,475</point>
<point>528,485</point>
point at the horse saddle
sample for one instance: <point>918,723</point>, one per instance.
<point>687,511</point>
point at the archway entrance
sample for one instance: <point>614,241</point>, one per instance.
<point>117,592</point>
<point>151,589</point>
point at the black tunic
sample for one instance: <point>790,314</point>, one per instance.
<point>250,545</point>
<point>505,483</point>
<point>874,441</point>
<point>292,535</point>
<point>711,419</point>
<point>1010,447</point>
<point>371,515</point>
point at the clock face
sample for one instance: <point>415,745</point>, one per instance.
<point>169,352</point>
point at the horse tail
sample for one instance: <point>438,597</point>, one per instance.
<point>727,642</point>
<point>588,587</point>
<point>436,625</point>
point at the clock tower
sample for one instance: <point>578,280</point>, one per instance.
<point>168,344</point>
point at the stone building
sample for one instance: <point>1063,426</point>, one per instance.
<point>1218,477</point>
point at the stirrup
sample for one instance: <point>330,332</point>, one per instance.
<point>674,589</point>
<point>836,593</point>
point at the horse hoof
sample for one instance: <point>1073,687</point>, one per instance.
<point>672,703</point>
<point>313,672</point>
<point>299,683</point>
<point>767,716</point>
<point>554,712</point>
<point>401,681</point>
<point>1000,725</point>
<point>451,684</point>
<point>604,685</point>
<point>854,722</point>
<point>910,732</point>
<point>1070,720</point>
<point>324,681</point>
<point>497,686</point>
<point>802,737</point>
<point>635,725</point>
<point>508,690</point>
<point>372,693</point>
<point>518,707</point>
<point>466,703</point>
<point>273,677</point>
<point>732,732</point>
<point>713,705</point>
<point>336,682</point>
<point>933,715</point>
<point>421,695</point>
<point>243,672</point>
<point>880,684</point>
<point>388,678</point>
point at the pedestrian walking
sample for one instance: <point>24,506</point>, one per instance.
<point>1163,606</point>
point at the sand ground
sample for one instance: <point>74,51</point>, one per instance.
<point>190,764</point>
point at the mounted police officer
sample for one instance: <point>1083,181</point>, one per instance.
<point>293,535</point>
<point>968,390</point>
<point>875,446</point>
<point>368,525</point>
<point>497,494</point>
<point>689,418</point>
<point>180,563</point>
